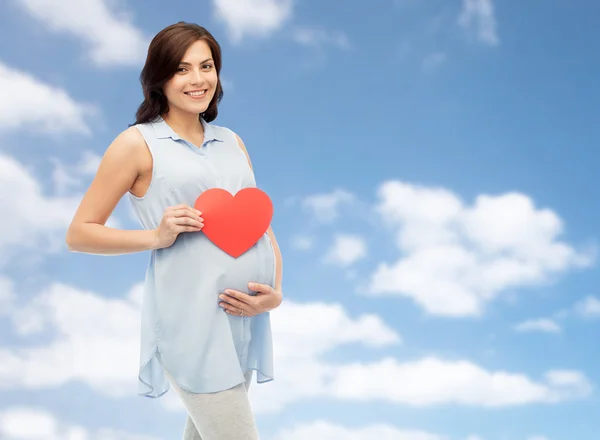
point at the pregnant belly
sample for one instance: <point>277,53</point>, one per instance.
<point>190,275</point>
<point>195,261</point>
<point>255,265</point>
<point>185,283</point>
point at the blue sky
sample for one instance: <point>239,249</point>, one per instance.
<point>432,166</point>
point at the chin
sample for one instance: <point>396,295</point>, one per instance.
<point>196,109</point>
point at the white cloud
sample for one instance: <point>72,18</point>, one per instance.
<point>538,437</point>
<point>28,102</point>
<point>325,207</point>
<point>300,346</point>
<point>589,307</point>
<point>319,37</point>
<point>434,61</point>
<point>324,430</point>
<point>302,242</point>
<point>111,36</point>
<point>38,220</point>
<point>66,176</point>
<point>7,295</point>
<point>346,250</point>
<point>252,17</point>
<point>432,381</point>
<point>104,329</point>
<point>330,327</point>
<point>478,15</point>
<point>538,325</point>
<point>570,384</point>
<point>89,330</point>
<point>23,423</point>
<point>457,258</point>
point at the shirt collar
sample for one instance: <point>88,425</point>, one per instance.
<point>164,130</point>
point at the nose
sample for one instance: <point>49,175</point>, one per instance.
<point>196,77</point>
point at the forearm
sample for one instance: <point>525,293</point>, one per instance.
<point>92,238</point>
<point>278,261</point>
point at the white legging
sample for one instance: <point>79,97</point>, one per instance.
<point>225,415</point>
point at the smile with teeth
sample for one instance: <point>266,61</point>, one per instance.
<point>196,93</point>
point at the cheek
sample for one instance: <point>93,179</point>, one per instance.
<point>214,80</point>
<point>168,91</point>
<point>172,88</point>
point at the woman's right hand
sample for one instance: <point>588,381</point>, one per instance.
<point>177,219</point>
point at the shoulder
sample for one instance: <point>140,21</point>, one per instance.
<point>131,135</point>
<point>129,139</point>
<point>128,145</point>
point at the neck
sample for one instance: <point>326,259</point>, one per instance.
<point>184,123</point>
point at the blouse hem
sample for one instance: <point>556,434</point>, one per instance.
<point>146,369</point>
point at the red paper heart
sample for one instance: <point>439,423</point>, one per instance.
<point>235,223</point>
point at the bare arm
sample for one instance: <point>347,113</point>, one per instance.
<point>279,262</point>
<point>116,174</point>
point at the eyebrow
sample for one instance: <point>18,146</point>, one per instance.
<point>201,62</point>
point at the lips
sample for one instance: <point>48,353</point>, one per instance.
<point>196,93</point>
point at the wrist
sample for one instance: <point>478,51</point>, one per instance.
<point>278,295</point>
<point>153,241</point>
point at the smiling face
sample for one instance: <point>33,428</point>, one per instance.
<point>193,86</point>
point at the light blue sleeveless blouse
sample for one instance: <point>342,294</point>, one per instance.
<point>184,330</point>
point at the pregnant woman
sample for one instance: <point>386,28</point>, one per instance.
<point>205,315</point>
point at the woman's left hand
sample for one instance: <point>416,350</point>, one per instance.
<point>243,304</point>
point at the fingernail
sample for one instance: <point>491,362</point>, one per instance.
<point>222,296</point>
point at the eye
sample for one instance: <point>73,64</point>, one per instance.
<point>181,69</point>
<point>207,66</point>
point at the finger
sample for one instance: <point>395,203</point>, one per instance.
<point>236,295</point>
<point>259,287</point>
<point>179,229</point>
<point>233,310</point>
<point>236,313</point>
<point>187,221</point>
<point>193,212</point>
<point>188,229</point>
<point>192,226</point>
<point>185,212</point>
<point>236,305</point>
<point>178,212</point>
<point>175,207</point>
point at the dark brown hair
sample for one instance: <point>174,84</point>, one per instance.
<point>165,52</point>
